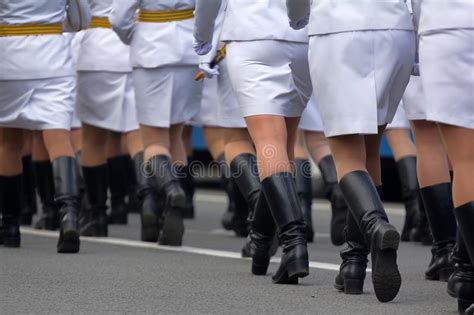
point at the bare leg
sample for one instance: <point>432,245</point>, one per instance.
<point>400,142</point>
<point>94,145</point>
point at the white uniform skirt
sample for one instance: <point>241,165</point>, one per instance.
<point>311,120</point>
<point>37,104</point>
<point>400,121</point>
<point>166,96</point>
<point>270,77</point>
<point>414,101</point>
<point>76,122</point>
<point>447,75</point>
<point>209,113</point>
<point>359,78</point>
<point>106,100</point>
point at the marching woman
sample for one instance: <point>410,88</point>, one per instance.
<point>269,73</point>
<point>365,49</point>
<point>446,32</point>
<point>166,94</point>
<point>106,108</point>
<point>38,94</point>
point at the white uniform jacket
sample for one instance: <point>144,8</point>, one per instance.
<point>101,49</point>
<point>45,56</point>
<point>446,14</point>
<point>155,45</point>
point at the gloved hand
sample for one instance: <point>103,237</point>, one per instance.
<point>208,71</point>
<point>297,25</point>
<point>200,47</point>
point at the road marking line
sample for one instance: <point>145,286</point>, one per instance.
<point>222,232</point>
<point>182,249</point>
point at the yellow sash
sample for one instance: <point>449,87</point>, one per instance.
<point>30,29</point>
<point>165,16</point>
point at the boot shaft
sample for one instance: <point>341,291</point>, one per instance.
<point>244,172</point>
<point>438,203</point>
<point>96,180</point>
<point>44,181</point>
<point>117,168</point>
<point>10,199</point>
<point>465,218</point>
<point>65,182</point>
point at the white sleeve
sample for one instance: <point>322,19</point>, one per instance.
<point>297,9</point>
<point>216,36</point>
<point>123,18</point>
<point>78,16</point>
<point>205,15</point>
<point>416,7</point>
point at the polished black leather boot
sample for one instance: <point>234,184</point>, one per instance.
<point>244,173</point>
<point>172,197</point>
<point>151,216</point>
<point>96,190</point>
<point>10,206</point>
<point>462,278</point>
<point>410,194</point>
<point>118,184</point>
<point>383,238</point>
<point>422,233</point>
<point>439,209</point>
<point>336,198</point>
<point>29,206</point>
<point>133,203</point>
<point>187,183</point>
<point>233,219</point>
<point>49,219</point>
<point>465,292</point>
<point>304,188</point>
<point>280,192</point>
<point>67,197</point>
<point>352,272</point>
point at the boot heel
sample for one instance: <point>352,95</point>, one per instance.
<point>150,228</point>
<point>298,269</point>
<point>445,273</point>
<point>390,240</point>
<point>463,305</point>
<point>177,200</point>
<point>68,242</point>
<point>353,286</point>
<point>11,242</point>
<point>259,270</point>
<point>173,229</point>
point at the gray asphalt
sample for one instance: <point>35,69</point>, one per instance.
<point>109,279</point>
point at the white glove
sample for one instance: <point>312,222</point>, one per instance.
<point>208,71</point>
<point>201,48</point>
<point>297,25</point>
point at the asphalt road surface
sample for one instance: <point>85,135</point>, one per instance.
<point>121,274</point>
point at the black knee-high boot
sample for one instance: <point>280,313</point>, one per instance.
<point>10,206</point>
<point>421,232</point>
<point>187,183</point>
<point>352,272</point>
<point>133,202</point>
<point>117,167</point>
<point>465,291</point>
<point>49,219</point>
<point>335,196</point>
<point>96,190</point>
<point>439,209</point>
<point>151,215</point>
<point>172,197</point>
<point>235,218</point>
<point>383,238</point>
<point>280,192</point>
<point>304,188</point>
<point>29,206</point>
<point>67,197</point>
<point>410,194</point>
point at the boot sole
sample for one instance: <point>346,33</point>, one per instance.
<point>294,270</point>
<point>176,201</point>
<point>173,231</point>
<point>442,275</point>
<point>68,242</point>
<point>150,228</point>
<point>386,276</point>
<point>12,242</point>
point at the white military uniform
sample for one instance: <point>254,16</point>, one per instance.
<point>446,53</point>
<point>105,93</point>
<point>400,120</point>
<point>37,78</point>
<point>267,60</point>
<point>311,119</point>
<point>219,106</point>
<point>361,55</point>
<point>164,63</point>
